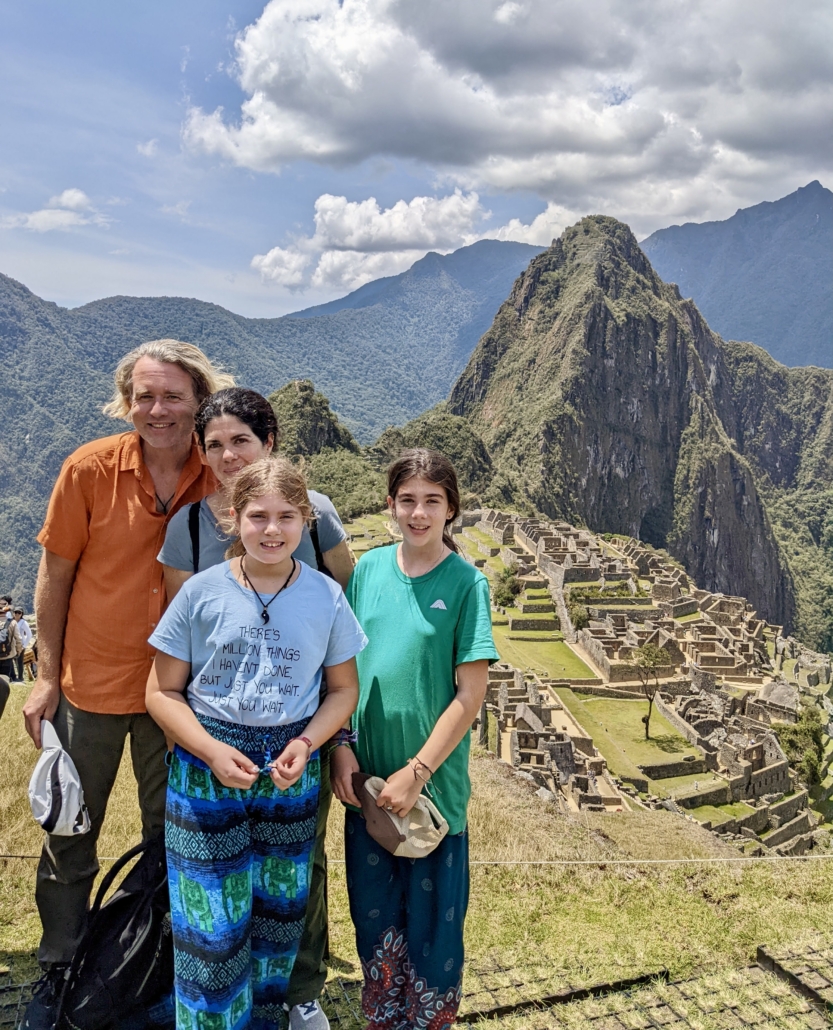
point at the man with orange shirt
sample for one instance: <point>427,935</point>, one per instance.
<point>99,596</point>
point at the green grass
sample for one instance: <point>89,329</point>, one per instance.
<point>623,722</point>
<point>584,923</point>
<point>616,733</point>
<point>689,618</point>
<point>674,786</point>
<point>550,658</point>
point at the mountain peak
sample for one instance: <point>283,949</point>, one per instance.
<point>764,275</point>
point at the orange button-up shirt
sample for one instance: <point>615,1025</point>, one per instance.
<point>102,515</point>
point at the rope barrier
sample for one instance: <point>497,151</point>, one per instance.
<point>582,862</point>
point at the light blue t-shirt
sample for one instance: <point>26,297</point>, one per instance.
<point>244,671</point>
<point>177,552</point>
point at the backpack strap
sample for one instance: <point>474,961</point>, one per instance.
<point>316,546</point>
<point>194,532</point>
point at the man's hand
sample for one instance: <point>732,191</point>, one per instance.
<point>343,763</point>
<point>289,766</point>
<point>401,790</point>
<point>42,703</point>
<point>231,767</point>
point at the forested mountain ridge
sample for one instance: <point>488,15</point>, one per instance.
<point>611,401</point>
<point>765,274</point>
<point>381,361</point>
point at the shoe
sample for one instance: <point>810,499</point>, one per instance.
<point>43,1008</point>
<point>308,1016</point>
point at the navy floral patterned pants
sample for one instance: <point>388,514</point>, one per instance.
<point>239,868</point>
<point>409,916</point>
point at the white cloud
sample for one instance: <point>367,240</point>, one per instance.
<point>67,210</point>
<point>356,241</point>
<point>667,108</point>
<point>149,148</point>
<point>540,232</point>
<point>285,267</point>
<point>71,199</point>
<point>180,209</point>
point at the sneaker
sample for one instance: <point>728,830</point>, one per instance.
<point>43,1008</point>
<point>308,1016</point>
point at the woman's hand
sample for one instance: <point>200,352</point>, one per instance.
<point>343,763</point>
<point>401,791</point>
<point>289,766</point>
<point>231,767</point>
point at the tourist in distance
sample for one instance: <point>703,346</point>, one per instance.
<point>422,681</point>
<point>236,427</point>
<point>99,594</point>
<point>11,642</point>
<point>26,637</point>
<point>236,684</point>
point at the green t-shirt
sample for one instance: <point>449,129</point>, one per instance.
<point>420,629</point>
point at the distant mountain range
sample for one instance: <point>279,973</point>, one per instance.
<point>763,275</point>
<point>382,355</point>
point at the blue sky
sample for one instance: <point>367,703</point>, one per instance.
<point>269,157</point>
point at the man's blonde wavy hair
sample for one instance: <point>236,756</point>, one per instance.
<point>207,377</point>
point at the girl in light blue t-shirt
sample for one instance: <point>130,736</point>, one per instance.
<point>236,685</point>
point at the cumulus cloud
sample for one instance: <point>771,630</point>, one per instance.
<point>67,210</point>
<point>650,106</point>
<point>356,241</point>
<point>149,148</point>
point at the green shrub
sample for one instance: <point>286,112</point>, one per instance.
<point>506,587</point>
<point>803,744</point>
<point>579,616</point>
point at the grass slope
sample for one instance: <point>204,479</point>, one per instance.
<point>586,923</point>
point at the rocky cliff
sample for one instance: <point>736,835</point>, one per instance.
<point>617,406</point>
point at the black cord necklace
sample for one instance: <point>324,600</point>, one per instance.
<point>164,504</point>
<point>265,604</point>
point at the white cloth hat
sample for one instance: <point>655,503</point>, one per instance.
<point>55,791</point>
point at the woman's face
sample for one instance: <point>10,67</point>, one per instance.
<point>421,510</point>
<point>230,445</point>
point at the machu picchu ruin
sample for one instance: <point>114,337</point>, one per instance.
<point>731,682</point>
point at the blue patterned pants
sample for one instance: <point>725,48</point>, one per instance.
<point>238,865</point>
<point>409,915</point>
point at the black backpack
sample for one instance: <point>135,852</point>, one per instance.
<point>124,965</point>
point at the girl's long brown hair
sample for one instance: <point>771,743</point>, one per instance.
<point>423,463</point>
<point>270,475</point>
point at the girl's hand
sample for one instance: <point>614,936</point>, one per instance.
<point>401,791</point>
<point>343,763</point>
<point>289,766</point>
<point>231,767</point>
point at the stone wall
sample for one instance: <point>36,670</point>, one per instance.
<point>717,796</point>
<point>800,824</point>
<point>665,770</point>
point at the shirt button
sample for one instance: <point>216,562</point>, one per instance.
<point>155,590</point>
<point>152,625</point>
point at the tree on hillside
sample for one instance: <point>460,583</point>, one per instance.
<point>506,587</point>
<point>646,661</point>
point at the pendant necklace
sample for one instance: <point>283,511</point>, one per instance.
<point>265,604</point>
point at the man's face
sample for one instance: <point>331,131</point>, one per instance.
<point>18,616</point>
<point>164,404</point>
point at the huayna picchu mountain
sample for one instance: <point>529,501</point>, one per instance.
<point>610,401</point>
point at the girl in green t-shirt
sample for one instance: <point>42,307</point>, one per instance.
<point>422,681</point>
